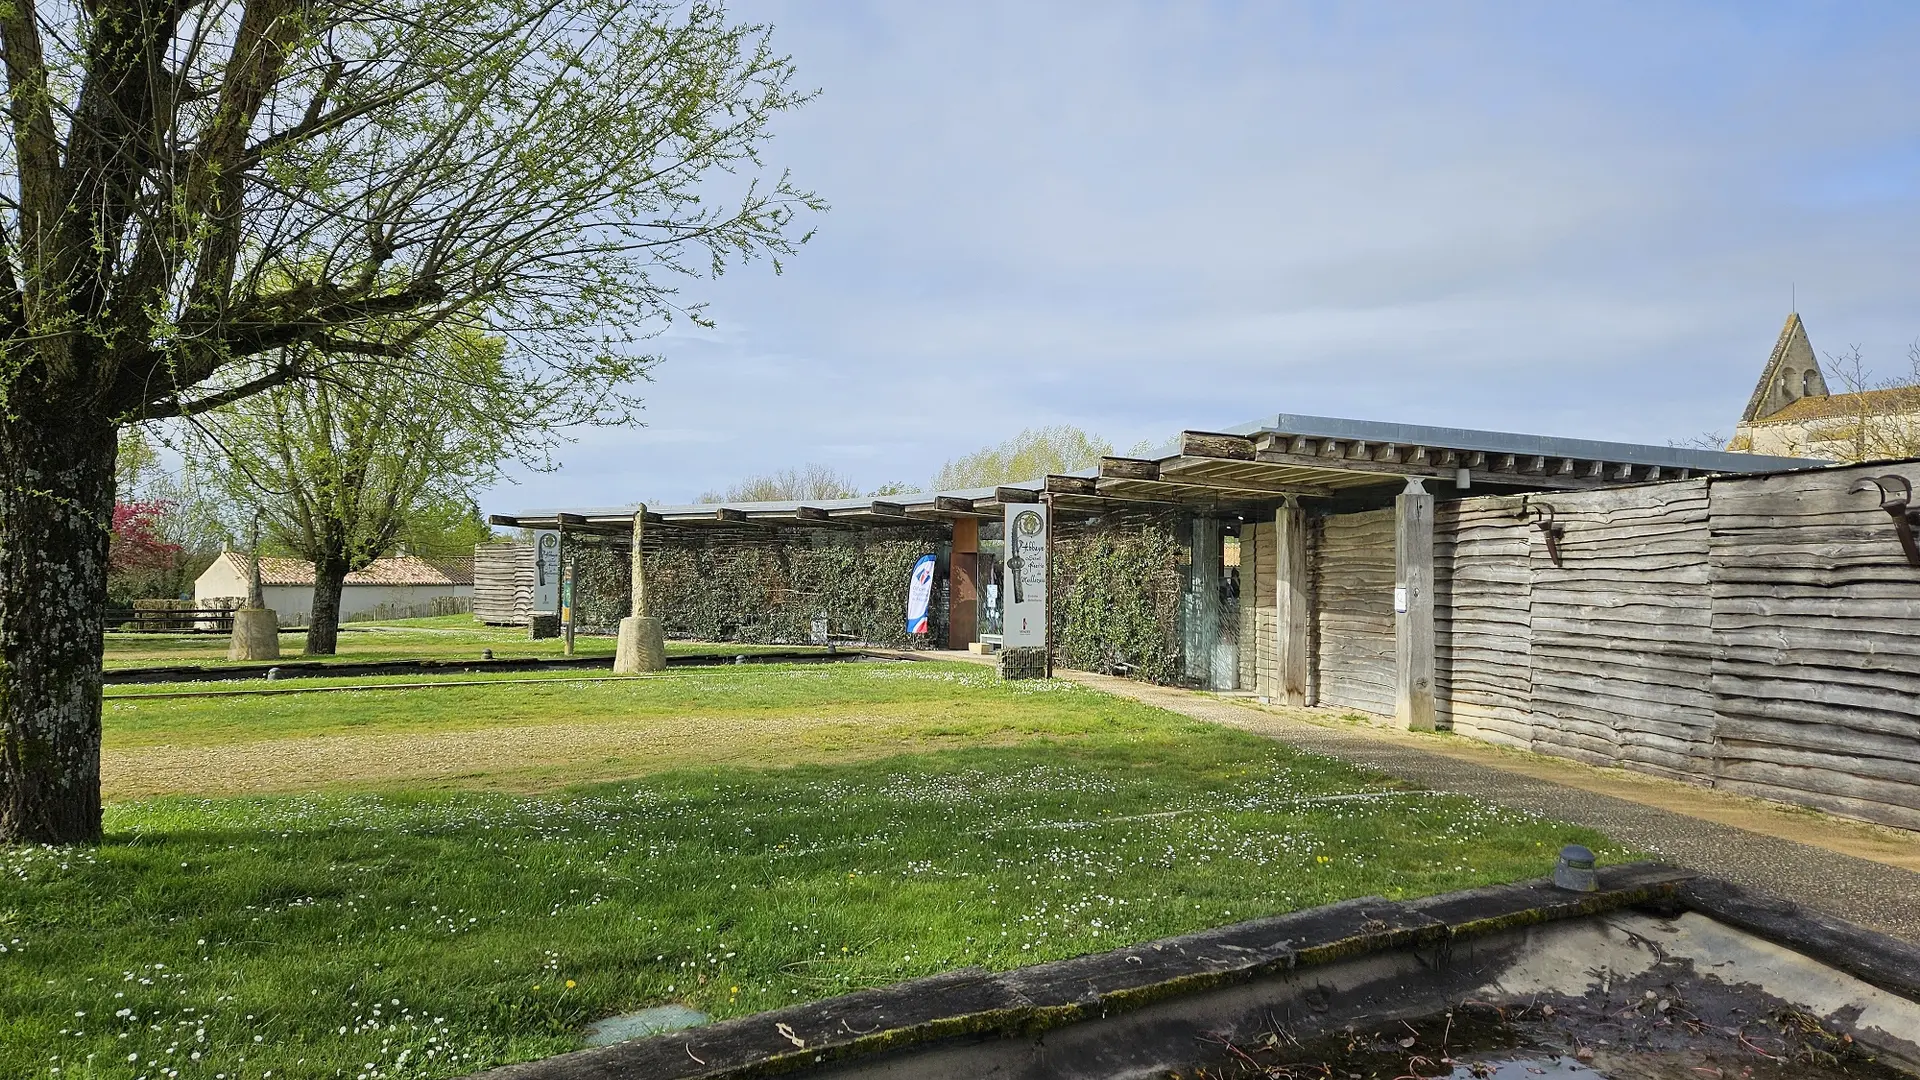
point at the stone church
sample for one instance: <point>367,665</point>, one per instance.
<point>1792,413</point>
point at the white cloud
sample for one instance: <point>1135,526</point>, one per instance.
<point>1581,223</point>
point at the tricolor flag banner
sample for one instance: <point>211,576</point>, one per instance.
<point>919,594</point>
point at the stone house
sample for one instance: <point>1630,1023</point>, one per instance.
<point>396,587</point>
<point>1793,414</point>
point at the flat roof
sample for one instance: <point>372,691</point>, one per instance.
<point>1286,455</point>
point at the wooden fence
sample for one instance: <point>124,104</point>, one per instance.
<point>1759,634</point>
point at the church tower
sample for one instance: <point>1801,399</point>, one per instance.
<point>1792,373</point>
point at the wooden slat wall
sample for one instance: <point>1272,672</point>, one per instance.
<point>1482,636</point>
<point>1354,607</point>
<point>503,583</point>
<point>1258,661</point>
<point>1817,616</point>
<point>1621,630</point>
<point>1760,634</point>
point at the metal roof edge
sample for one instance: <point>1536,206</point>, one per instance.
<point>1510,442</point>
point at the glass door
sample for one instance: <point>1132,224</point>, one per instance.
<point>991,576</point>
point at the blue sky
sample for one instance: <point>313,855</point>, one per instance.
<point>1144,217</point>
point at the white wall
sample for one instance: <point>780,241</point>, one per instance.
<point>293,604</point>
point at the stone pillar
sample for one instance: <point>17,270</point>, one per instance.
<point>1292,603</point>
<point>256,628</point>
<point>642,645</point>
<point>1413,608</point>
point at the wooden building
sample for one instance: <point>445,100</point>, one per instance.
<point>1358,495</point>
<point>1725,619</point>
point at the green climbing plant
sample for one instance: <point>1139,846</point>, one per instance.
<point>1116,602</point>
<point>763,593</point>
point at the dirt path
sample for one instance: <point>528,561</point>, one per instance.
<point>1863,873</point>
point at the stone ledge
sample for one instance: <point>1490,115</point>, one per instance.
<point>985,1005</point>
<point>1873,958</point>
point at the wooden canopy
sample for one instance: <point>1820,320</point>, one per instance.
<point>1248,471</point>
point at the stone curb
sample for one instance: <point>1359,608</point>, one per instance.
<point>1873,958</point>
<point>1024,1001</point>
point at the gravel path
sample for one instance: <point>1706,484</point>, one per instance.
<point>1873,894</point>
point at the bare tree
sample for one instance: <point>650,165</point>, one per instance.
<point>809,481</point>
<point>206,199</point>
<point>1873,418</point>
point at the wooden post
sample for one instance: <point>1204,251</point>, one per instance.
<point>639,564</point>
<point>256,596</point>
<point>1047,498</point>
<point>1413,608</point>
<point>566,604</point>
<point>1292,604</point>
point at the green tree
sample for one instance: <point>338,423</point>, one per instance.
<point>1029,455</point>
<point>344,464</point>
<point>446,528</point>
<point>204,201</point>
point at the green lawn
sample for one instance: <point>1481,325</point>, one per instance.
<point>776,835</point>
<point>442,637</point>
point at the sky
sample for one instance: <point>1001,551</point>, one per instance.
<point>1581,221</point>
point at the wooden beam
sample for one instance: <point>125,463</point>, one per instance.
<point>1623,471</point>
<point>1215,445</point>
<point>1413,622</point>
<point>1071,485</point>
<point>728,513</point>
<point>1475,460</point>
<point>810,513</point>
<point>1293,605</point>
<point>503,519</point>
<point>952,504</point>
<point>1015,495</point>
<point>1119,468</point>
<point>881,508</point>
<point>1208,491</point>
<point>570,519</point>
<point>1387,452</point>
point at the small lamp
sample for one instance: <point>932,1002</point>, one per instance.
<point>1574,872</point>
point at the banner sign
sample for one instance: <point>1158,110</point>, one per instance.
<point>1025,594</point>
<point>546,571</point>
<point>920,594</point>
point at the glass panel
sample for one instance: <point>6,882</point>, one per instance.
<point>992,578</point>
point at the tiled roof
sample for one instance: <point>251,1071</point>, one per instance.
<point>1896,399</point>
<point>392,570</point>
<point>458,570</point>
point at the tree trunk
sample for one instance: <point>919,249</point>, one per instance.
<point>56,516</point>
<point>323,621</point>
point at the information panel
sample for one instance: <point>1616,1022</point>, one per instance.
<point>1025,592</point>
<point>546,572</point>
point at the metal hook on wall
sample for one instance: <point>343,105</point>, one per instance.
<point>1551,529</point>
<point>1896,493</point>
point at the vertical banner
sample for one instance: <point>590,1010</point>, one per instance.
<point>546,571</point>
<point>920,594</point>
<point>1025,595</point>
